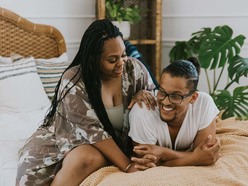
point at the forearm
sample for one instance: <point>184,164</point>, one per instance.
<point>113,153</point>
<point>204,154</point>
<point>175,158</point>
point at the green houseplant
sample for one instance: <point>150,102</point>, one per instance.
<point>122,16</point>
<point>115,11</point>
<point>218,52</point>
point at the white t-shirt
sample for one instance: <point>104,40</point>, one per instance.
<point>146,126</point>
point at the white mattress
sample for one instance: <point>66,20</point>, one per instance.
<point>15,128</point>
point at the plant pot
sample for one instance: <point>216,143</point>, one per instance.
<point>124,27</point>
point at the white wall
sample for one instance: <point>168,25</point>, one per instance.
<point>183,17</point>
<point>180,19</point>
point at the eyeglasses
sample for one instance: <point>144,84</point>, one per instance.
<point>173,98</point>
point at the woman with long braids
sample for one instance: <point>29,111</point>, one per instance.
<point>87,125</point>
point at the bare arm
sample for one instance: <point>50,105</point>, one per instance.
<point>113,153</point>
<point>204,133</point>
<point>205,151</point>
<point>143,96</point>
<point>205,154</point>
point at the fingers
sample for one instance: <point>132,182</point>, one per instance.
<point>140,152</point>
<point>144,167</point>
<point>140,160</point>
<point>145,162</point>
<point>212,146</point>
<point>206,144</point>
<point>216,147</point>
<point>141,147</point>
<point>150,157</point>
<point>146,97</point>
<point>131,104</point>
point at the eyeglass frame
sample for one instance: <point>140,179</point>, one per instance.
<point>168,95</point>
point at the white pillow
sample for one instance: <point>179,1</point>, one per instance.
<point>21,89</point>
<point>5,60</point>
<point>62,58</point>
<point>50,71</point>
<point>13,57</point>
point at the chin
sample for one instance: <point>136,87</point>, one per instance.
<point>116,75</point>
<point>166,118</point>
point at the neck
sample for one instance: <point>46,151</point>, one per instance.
<point>177,122</point>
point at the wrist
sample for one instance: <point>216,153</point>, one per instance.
<point>128,167</point>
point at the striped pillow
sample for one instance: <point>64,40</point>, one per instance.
<point>21,89</point>
<point>50,74</point>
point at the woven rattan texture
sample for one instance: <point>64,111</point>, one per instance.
<point>143,29</point>
<point>18,35</point>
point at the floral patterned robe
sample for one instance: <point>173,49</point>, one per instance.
<point>75,123</point>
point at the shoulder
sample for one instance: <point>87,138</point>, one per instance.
<point>136,69</point>
<point>204,97</point>
<point>71,77</point>
<point>71,72</point>
<point>134,64</point>
<point>143,112</point>
<point>205,106</point>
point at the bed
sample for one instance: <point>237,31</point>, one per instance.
<point>32,58</point>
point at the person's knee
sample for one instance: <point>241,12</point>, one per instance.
<point>81,160</point>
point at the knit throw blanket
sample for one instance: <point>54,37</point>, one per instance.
<point>230,170</point>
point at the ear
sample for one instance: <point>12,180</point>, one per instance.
<point>194,97</point>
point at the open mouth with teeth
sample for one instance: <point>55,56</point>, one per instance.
<point>167,109</point>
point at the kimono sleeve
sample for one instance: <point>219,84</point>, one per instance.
<point>77,122</point>
<point>142,76</point>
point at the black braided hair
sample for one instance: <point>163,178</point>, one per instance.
<point>188,69</point>
<point>88,57</point>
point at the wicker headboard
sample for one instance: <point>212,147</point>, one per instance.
<point>20,36</point>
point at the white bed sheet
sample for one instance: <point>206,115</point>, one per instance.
<point>15,128</point>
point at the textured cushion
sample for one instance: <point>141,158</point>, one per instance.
<point>21,89</point>
<point>50,74</point>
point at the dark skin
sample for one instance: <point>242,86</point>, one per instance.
<point>85,159</point>
<point>206,145</point>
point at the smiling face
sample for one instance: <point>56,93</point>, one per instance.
<point>174,114</point>
<point>113,58</point>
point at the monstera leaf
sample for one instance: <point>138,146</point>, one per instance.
<point>233,105</point>
<point>197,38</point>
<point>218,51</point>
<point>237,68</point>
<point>186,49</point>
<point>180,51</point>
<point>218,47</point>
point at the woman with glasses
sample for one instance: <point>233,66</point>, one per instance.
<point>181,130</point>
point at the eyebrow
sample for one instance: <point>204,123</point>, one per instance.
<point>114,55</point>
<point>174,92</point>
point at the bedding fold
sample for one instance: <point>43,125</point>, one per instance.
<point>231,169</point>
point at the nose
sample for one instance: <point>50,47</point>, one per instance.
<point>121,61</point>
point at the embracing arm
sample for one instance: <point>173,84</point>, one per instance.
<point>143,85</point>
<point>205,151</point>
